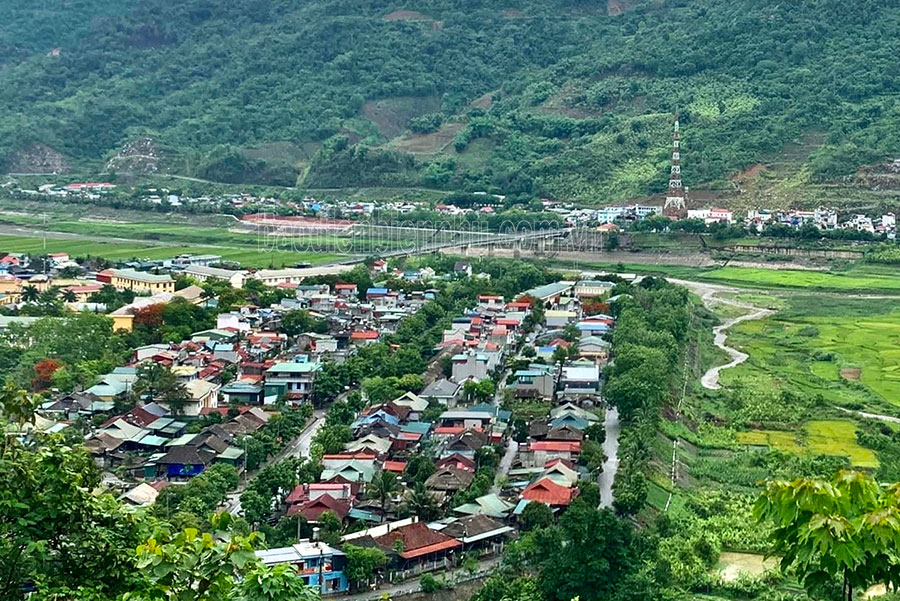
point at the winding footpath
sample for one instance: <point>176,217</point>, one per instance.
<point>709,295</point>
<point>710,379</point>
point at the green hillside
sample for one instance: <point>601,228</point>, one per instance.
<point>566,98</point>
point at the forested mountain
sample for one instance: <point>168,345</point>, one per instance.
<point>568,98</point>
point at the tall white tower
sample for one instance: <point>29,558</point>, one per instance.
<point>675,207</point>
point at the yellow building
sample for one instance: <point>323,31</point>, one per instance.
<point>123,317</point>
<point>139,281</point>
<point>10,289</point>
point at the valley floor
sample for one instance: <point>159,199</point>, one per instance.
<point>817,390</point>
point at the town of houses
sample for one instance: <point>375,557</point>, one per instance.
<point>246,369</point>
<point>608,218</point>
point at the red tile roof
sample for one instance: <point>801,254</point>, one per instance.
<point>365,335</point>
<point>418,539</point>
<point>507,321</point>
<point>449,430</point>
<point>549,492</point>
<point>458,461</point>
<point>394,466</point>
<point>298,494</point>
<point>313,510</point>
<point>556,445</point>
<point>566,462</point>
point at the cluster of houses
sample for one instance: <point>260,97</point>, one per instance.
<point>825,219</point>
<point>385,438</point>
<point>543,469</point>
<point>246,364</point>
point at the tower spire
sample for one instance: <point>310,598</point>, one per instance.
<point>675,207</point>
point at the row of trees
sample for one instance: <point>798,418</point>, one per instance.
<point>651,328</point>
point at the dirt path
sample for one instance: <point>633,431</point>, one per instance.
<point>709,295</point>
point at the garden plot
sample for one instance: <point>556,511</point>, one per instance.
<point>824,437</point>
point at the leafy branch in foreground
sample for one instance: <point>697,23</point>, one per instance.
<point>845,528</point>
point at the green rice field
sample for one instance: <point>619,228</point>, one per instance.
<point>821,437</point>
<point>121,251</point>
<point>847,350</point>
<point>858,278</point>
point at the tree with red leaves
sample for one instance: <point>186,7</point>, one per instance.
<point>43,373</point>
<point>150,317</point>
<point>593,306</point>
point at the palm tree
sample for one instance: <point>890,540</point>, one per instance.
<point>30,294</point>
<point>383,486</point>
<point>422,503</point>
<point>49,295</point>
<point>69,296</point>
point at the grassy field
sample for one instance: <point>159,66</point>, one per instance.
<point>181,233</point>
<point>121,251</point>
<point>858,278</point>
<point>845,350</point>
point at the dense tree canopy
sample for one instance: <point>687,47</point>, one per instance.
<point>575,99</point>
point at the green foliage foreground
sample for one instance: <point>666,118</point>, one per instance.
<point>846,528</point>
<point>59,540</point>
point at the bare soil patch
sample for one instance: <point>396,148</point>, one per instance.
<point>406,15</point>
<point>851,374</point>
<point>432,143</point>
<point>391,115</point>
<point>749,173</point>
<point>485,101</point>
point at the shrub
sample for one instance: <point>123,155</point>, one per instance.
<point>430,584</point>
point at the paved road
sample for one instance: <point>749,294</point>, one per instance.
<point>512,447</point>
<point>299,447</point>
<point>611,450</point>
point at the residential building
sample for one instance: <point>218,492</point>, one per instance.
<point>470,365</point>
<point>243,393</point>
<point>557,318</point>
<point>203,273</point>
<point>550,493</point>
<point>580,379</point>
<point>321,565</point>
<point>196,260</point>
<point>444,391</point>
<point>538,381</point>
<point>592,288</point>
<point>543,451</point>
<point>550,293</point>
<point>292,379</point>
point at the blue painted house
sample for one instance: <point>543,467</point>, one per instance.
<point>321,565</point>
<point>184,462</point>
